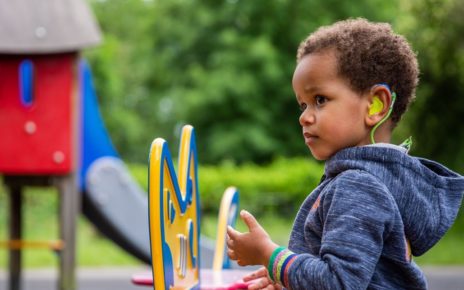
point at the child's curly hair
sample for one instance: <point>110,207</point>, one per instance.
<point>368,54</point>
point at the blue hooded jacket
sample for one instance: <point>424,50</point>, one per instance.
<point>376,206</point>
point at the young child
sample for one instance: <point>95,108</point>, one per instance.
<point>376,205</point>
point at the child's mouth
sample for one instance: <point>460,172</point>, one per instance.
<point>309,138</point>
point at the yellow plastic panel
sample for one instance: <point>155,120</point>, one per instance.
<point>174,214</point>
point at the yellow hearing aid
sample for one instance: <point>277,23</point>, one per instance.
<point>376,107</point>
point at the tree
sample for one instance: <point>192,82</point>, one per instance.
<point>121,67</point>
<point>226,68</point>
<point>435,28</point>
<point>223,66</point>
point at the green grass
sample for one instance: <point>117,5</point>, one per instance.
<point>448,251</point>
<point>40,222</point>
<point>40,214</point>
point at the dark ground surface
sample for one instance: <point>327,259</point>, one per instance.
<point>439,278</point>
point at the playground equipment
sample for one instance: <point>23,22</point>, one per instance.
<point>39,115</point>
<point>174,215</point>
<point>52,134</point>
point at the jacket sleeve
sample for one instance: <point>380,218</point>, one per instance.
<point>357,212</point>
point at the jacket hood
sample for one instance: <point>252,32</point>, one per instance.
<point>428,194</point>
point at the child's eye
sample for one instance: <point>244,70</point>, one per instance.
<point>320,100</point>
<point>302,107</point>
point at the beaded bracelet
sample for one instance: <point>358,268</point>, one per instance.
<point>275,267</point>
<point>285,272</point>
<point>282,265</point>
<point>270,266</point>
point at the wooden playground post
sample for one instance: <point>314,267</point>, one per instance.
<point>15,234</point>
<point>69,208</point>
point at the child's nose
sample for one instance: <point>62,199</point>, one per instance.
<point>307,117</point>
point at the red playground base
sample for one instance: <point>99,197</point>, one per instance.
<point>210,280</point>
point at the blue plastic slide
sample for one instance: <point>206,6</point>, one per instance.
<point>112,200</point>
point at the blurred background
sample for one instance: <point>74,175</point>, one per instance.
<point>225,67</point>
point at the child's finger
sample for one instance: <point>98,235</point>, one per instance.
<point>230,243</point>
<point>262,272</point>
<point>231,255</point>
<point>232,233</point>
<point>249,220</point>
<point>260,283</point>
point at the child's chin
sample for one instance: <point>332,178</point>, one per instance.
<point>319,156</point>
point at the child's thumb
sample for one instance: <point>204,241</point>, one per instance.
<point>249,220</point>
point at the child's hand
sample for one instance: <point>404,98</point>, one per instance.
<point>260,280</point>
<point>252,248</point>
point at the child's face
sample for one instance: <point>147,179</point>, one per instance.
<point>332,114</point>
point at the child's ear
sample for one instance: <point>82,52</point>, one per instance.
<point>379,100</point>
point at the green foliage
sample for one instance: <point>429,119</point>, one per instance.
<point>223,66</point>
<point>121,65</point>
<point>278,188</point>
<point>435,29</point>
<point>226,68</point>
<point>232,64</point>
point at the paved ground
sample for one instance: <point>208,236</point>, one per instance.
<point>445,278</point>
<point>440,278</point>
<point>88,279</point>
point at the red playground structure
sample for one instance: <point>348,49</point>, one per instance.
<point>37,105</point>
